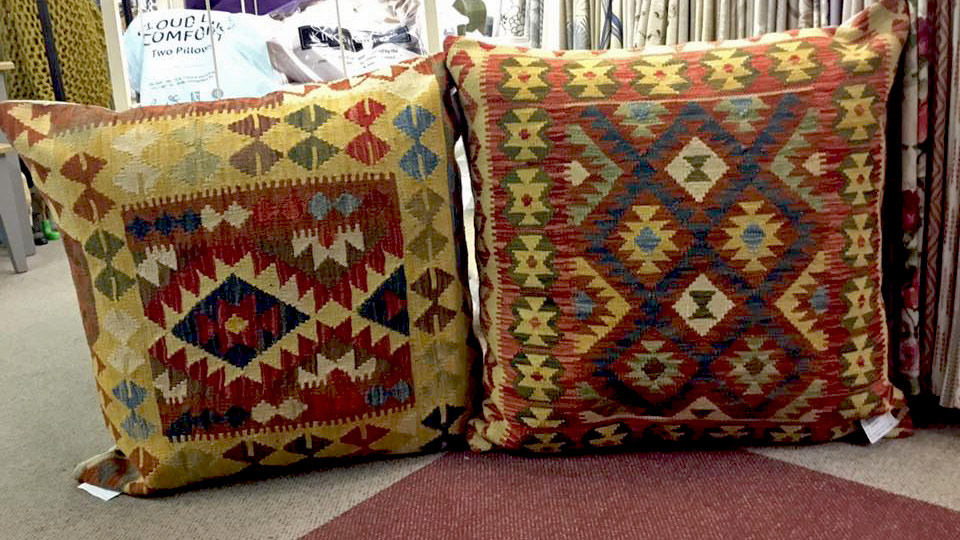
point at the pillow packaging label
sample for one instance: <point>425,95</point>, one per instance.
<point>305,49</point>
<point>877,427</point>
<point>101,493</point>
<point>171,60</point>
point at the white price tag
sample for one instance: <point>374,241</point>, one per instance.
<point>878,426</point>
<point>99,492</point>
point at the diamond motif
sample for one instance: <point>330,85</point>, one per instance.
<point>857,356</point>
<point>644,115</point>
<point>655,369</point>
<point>743,111</point>
<point>237,322</point>
<point>858,250</point>
<point>537,376</point>
<point>857,121</point>
<point>858,292</point>
<point>729,69</point>
<point>524,80</point>
<point>702,305</point>
<point>794,61</point>
<point>535,321</point>
<point>697,168</point>
<point>532,256</point>
<point>857,58</point>
<point>751,235</point>
<point>661,75</point>
<point>597,307</point>
<point>753,365</point>
<point>647,241</point>
<point>526,140</point>
<point>529,189</point>
<point>857,169</point>
<point>590,78</point>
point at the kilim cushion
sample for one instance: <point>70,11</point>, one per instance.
<point>267,281</point>
<point>681,243</point>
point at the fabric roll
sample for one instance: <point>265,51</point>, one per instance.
<point>656,23</point>
<point>682,22</point>
<point>783,8</point>
<point>836,8</point>
<point>760,18</point>
<point>805,14</point>
<point>535,22</point>
<point>912,180</point>
<point>946,353</point>
<point>673,21</point>
<point>940,83</point>
<point>724,24</point>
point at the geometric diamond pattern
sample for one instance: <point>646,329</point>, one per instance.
<point>697,168</point>
<point>264,281</point>
<point>680,244</point>
<point>236,322</point>
<point>646,241</point>
<point>702,305</point>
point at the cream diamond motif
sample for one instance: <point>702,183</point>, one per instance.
<point>702,305</point>
<point>697,168</point>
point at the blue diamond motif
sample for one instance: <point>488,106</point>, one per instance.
<point>319,206</point>
<point>820,300</point>
<point>419,162</point>
<point>129,393</point>
<point>647,240</point>
<point>265,320</point>
<point>753,236</point>
<point>583,305</point>
<point>346,204</point>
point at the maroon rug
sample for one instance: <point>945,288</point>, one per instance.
<point>672,495</point>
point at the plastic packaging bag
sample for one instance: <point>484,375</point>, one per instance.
<point>170,60</point>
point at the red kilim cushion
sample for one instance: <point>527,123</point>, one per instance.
<point>682,242</point>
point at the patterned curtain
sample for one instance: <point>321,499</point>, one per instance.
<point>925,244</point>
<point>939,356</point>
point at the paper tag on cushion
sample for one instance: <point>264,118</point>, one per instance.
<point>99,492</point>
<point>878,426</point>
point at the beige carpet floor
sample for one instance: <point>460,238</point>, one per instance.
<point>49,421</point>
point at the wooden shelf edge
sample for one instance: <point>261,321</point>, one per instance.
<point>6,66</point>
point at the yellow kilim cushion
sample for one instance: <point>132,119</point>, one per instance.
<point>263,282</point>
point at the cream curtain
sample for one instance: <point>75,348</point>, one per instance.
<point>611,24</point>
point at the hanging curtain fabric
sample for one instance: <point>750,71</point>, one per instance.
<point>611,24</point>
<point>913,167</point>
<point>77,42</point>
<point>940,350</point>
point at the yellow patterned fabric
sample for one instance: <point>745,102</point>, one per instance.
<point>79,41</point>
<point>264,282</point>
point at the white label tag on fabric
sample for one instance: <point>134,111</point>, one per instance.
<point>878,426</point>
<point>99,492</point>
